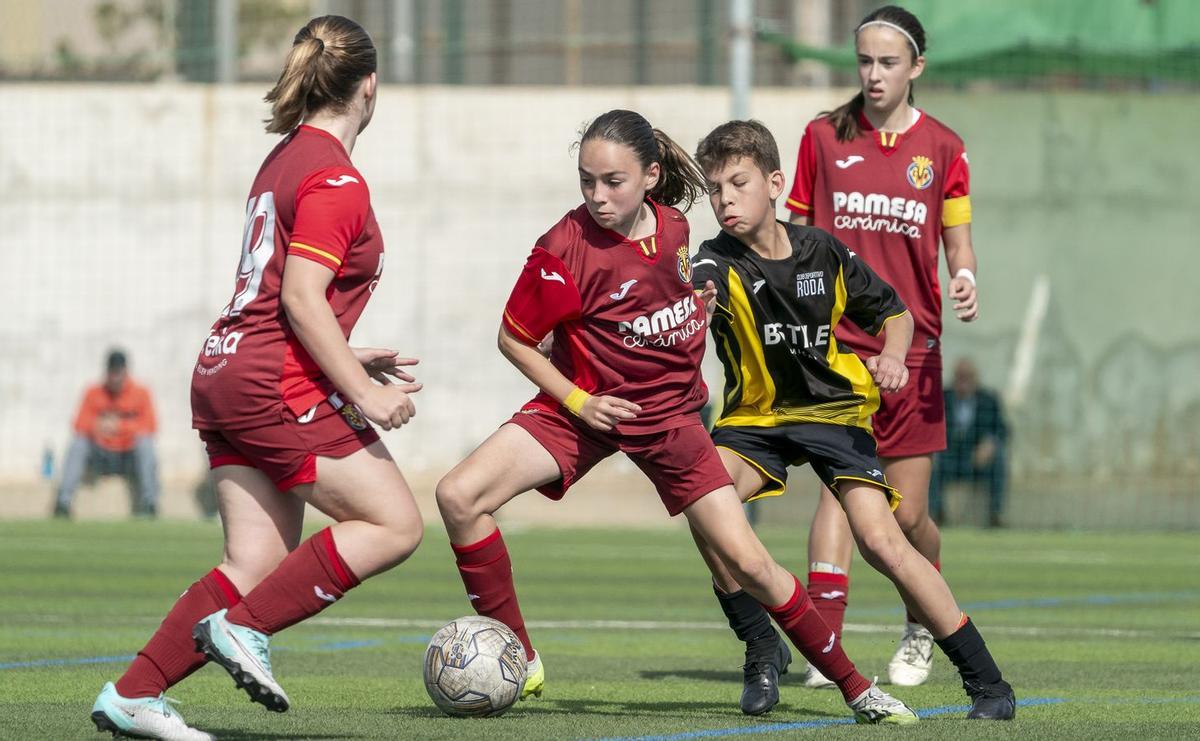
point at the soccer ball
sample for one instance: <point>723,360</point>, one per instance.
<point>474,667</point>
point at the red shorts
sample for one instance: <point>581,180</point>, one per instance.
<point>682,463</point>
<point>912,421</point>
<point>287,452</point>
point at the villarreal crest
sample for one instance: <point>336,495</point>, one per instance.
<point>684,264</point>
<point>920,173</point>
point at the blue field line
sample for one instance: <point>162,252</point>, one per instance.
<point>66,662</point>
<point>326,645</point>
<point>810,724</point>
<point>1042,602</point>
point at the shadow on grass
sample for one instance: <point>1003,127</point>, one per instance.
<point>629,708</point>
<point>234,733</point>
<point>700,675</point>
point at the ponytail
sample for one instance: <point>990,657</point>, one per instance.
<point>844,118</point>
<point>329,58</point>
<point>680,182</point>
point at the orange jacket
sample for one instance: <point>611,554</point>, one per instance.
<point>115,422</point>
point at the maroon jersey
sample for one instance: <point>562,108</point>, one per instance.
<point>888,196</point>
<point>625,319</point>
<point>308,200</point>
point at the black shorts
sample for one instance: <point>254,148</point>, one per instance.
<point>837,453</point>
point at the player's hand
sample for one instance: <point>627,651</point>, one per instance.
<point>966,301</point>
<point>708,297</point>
<point>389,406</point>
<point>381,364</point>
<point>604,412</point>
<point>889,372</point>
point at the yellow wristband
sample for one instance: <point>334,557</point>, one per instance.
<point>575,401</point>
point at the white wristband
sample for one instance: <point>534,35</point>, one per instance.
<point>965,273</point>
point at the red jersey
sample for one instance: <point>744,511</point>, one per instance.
<point>625,318</point>
<point>308,200</point>
<point>888,196</point>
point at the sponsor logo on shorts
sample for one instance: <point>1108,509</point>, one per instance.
<point>875,472</point>
<point>354,417</point>
<point>308,416</point>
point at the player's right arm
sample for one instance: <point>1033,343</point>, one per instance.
<point>710,279</point>
<point>544,297</point>
<point>800,200</point>
<point>329,218</point>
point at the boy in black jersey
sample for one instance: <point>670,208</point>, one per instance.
<point>776,293</point>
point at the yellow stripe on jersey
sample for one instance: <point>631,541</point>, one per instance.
<point>797,204</point>
<point>517,326</point>
<point>847,365</point>
<point>883,324</point>
<point>956,211</point>
<point>315,251</point>
<point>754,379</point>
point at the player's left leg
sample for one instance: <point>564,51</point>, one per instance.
<point>913,660</point>
<point>927,597</point>
<point>767,656</point>
<point>719,521</point>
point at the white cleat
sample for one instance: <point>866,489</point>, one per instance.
<point>914,657</point>
<point>141,717</point>
<point>877,706</point>
<point>246,655</point>
<point>814,679</point>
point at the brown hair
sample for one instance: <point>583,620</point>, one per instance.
<point>329,57</point>
<point>680,183</point>
<point>735,139</point>
<point>845,117</point>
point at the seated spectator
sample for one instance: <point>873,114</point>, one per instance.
<point>975,444</point>
<point>113,436</point>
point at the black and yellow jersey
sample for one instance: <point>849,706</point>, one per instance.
<point>773,329</point>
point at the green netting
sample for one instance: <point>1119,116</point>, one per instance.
<point>1028,38</point>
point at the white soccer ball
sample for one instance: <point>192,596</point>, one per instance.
<point>475,667</point>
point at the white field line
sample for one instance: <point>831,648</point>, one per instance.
<point>1032,632</point>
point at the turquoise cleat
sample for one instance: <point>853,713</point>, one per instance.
<point>246,655</point>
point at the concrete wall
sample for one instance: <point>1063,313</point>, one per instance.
<point>120,223</point>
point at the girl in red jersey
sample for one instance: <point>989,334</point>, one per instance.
<point>890,181</point>
<point>611,280</point>
<point>282,401</point>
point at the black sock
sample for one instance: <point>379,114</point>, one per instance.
<point>969,654</point>
<point>750,622</point>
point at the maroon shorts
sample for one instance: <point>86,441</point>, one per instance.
<point>287,452</point>
<point>682,463</point>
<point>912,421</point>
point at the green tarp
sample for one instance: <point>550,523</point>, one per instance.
<point>969,39</point>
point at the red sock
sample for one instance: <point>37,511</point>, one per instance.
<point>486,572</point>
<point>829,594</point>
<point>908,615</point>
<point>170,654</point>
<point>820,645</point>
<point>311,578</point>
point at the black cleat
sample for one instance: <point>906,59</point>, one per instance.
<point>991,701</point>
<point>760,677</point>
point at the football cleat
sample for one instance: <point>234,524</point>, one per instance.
<point>141,717</point>
<point>760,677</point>
<point>246,655</point>
<point>913,660</point>
<point>877,706</point>
<point>535,678</point>
<point>991,701</point>
<point>814,679</point>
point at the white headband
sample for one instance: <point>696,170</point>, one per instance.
<point>891,25</point>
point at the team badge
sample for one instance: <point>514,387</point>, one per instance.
<point>684,264</point>
<point>920,173</point>
<point>353,417</point>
